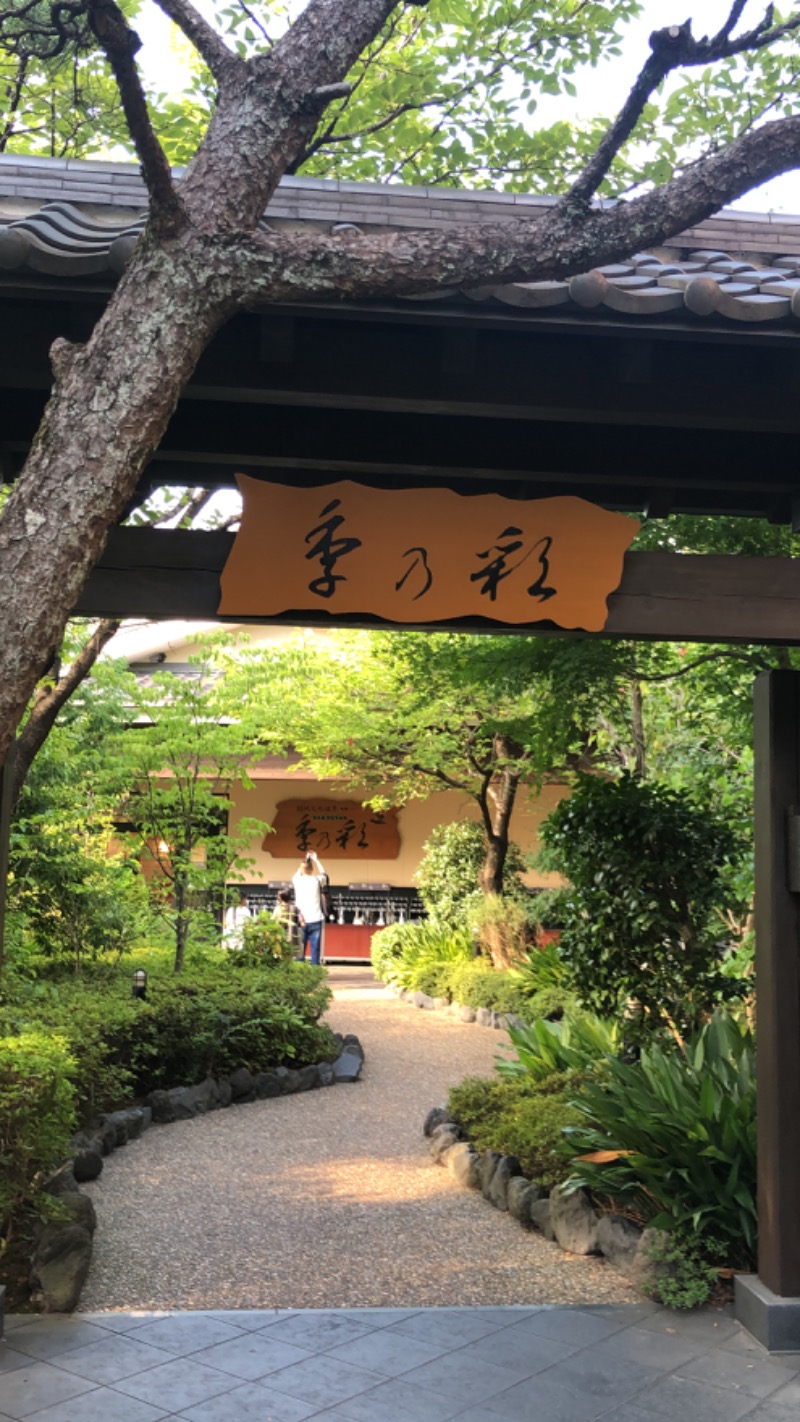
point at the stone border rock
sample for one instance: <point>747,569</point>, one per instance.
<point>566,1218</point>
<point>64,1248</point>
<point>483,1016</point>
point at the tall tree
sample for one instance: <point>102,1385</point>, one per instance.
<point>202,256</point>
<point>403,714</point>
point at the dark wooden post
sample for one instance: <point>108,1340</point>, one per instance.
<point>770,1305</point>
<point>6,806</point>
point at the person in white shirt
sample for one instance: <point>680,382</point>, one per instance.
<point>308,884</point>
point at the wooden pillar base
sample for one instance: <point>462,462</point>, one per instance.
<point>773,1321</point>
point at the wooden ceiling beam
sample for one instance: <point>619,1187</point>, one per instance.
<point>161,573</point>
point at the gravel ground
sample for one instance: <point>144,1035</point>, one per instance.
<point>328,1199</point>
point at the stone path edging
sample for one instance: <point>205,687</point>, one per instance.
<point>565,1217</point>
<point>63,1253</point>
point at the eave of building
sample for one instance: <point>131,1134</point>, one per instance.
<point>65,221</point>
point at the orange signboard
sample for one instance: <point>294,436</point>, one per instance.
<point>423,555</point>
<point>334,829</point>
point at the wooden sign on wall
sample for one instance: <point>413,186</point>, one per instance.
<point>334,829</point>
<point>423,555</point>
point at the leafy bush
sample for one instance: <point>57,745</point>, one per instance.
<point>474,984</point>
<point>185,1029</point>
<point>541,967</point>
<point>674,1136</point>
<point>501,928</point>
<point>647,866</point>
<point>448,877</point>
<point>265,943</point>
<point>683,1277</point>
<point>519,1117</point>
<point>37,1116</point>
<point>404,953</point>
<point>579,1042</point>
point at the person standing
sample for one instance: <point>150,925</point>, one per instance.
<point>308,883</point>
<point>286,915</point>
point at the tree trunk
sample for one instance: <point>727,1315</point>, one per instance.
<point>181,919</point>
<point>639,747</point>
<point>497,804</point>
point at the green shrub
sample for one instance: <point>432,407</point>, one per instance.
<point>519,1117</point>
<point>550,1004</point>
<point>683,1276</point>
<point>541,967</point>
<point>265,943</point>
<point>579,1042</point>
<point>647,866</point>
<point>501,928</point>
<point>37,1116</point>
<point>674,1136</point>
<point>404,952</point>
<point>448,877</point>
<point>212,1020</point>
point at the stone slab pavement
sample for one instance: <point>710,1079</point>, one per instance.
<point>615,1362</point>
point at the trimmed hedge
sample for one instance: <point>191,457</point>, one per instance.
<point>188,1027</point>
<point>520,1117</point>
<point>37,1117</point>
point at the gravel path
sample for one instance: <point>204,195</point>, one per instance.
<point>328,1199</point>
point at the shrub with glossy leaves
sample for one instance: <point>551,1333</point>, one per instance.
<point>673,1136</point>
<point>37,1114</point>
<point>647,867</point>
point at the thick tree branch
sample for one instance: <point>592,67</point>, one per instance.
<point>209,44</point>
<point>556,244</point>
<point>51,697</point>
<point>120,44</point>
<point>671,48</point>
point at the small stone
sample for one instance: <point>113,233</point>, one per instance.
<point>289,1079</point>
<point>466,1014</point>
<point>442,1139</point>
<point>351,1043</point>
<point>137,1122</point>
<point>106,1130</point>
<point>642,1268</point>
<point>87,1164</point>
<point>540,1218</point>
<point>119,1120</point>
<point>60,1266</point>
<point>498,1021</point>
<point>512,1019</point>
<point>437,1116</point>
<point>242,1084</point>
<point>574,1220</point>
<point>326,1074</point>
<point>81,1211</point>
<point>206,1096</point>
<point>464,1164</point>
<point>490,1159</point>
<point>225,1093</point>
<point>268,1084</point>
<point>347,1067</point>
<point>182,1103</point>
<point>441,1004</point>
<point>618,1239</point>
<point>61,1182</point>
<point>483,1017</point>
<point>507,1168</point>
<point>307,1078</point>
<point>162,1107</point>
<point>521,1195</point>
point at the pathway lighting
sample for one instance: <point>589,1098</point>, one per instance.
<point>139,988</point>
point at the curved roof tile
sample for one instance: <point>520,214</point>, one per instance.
<point>61,240</point>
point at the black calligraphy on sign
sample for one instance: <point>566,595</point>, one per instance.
<point>420,562</point>
<point>501,566</point>
<point>329,549</point>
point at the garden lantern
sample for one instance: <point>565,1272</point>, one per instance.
<point>139,988</point>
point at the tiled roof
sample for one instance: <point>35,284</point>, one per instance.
<point>67,218</point>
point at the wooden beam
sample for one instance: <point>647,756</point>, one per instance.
<point>677,597</point>
<point>777,802</point>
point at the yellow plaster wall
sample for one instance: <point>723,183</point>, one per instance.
<point>416,821</point>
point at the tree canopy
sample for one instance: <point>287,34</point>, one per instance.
<point>442,91</point>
